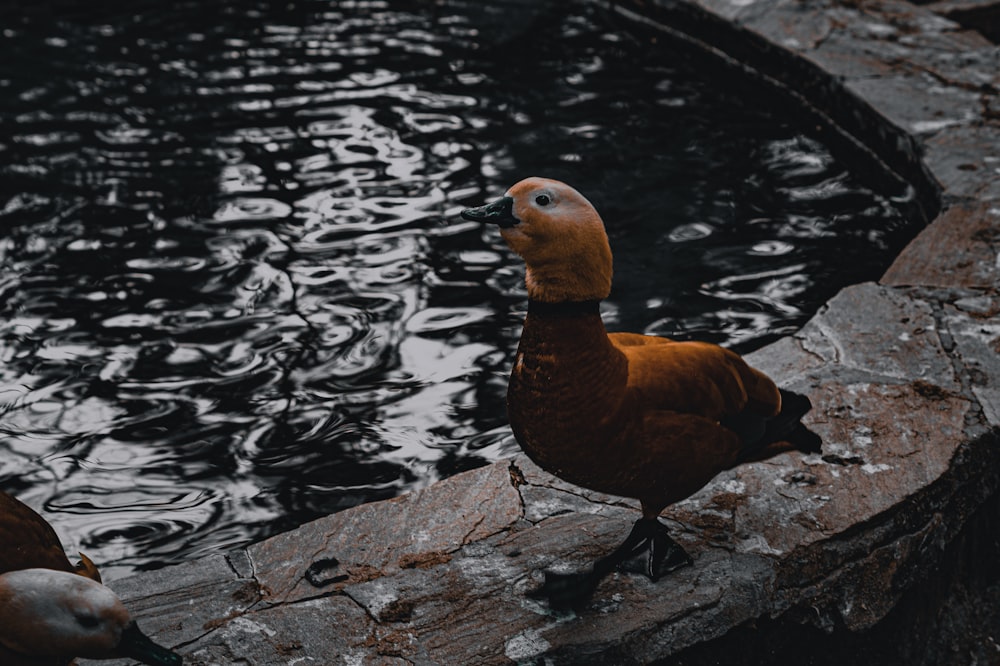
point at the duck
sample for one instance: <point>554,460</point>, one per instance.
<point>626,414</point>
<point>53,611</point>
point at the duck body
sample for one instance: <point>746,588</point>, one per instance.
<point>627,414</point>
<point>558,418</point>
<point>52,611</point>
<point>622,413</point>
<point>30,542</point>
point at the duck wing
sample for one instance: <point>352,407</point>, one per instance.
<point>696,378</point>
<point>636,340</point>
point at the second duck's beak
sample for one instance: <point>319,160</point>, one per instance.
<point>500,213</point>
<point>136,645</point>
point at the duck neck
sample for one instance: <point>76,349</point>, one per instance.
<point>568,384</point>
<point>565,357</point>
<point>564,308</point>
<point>567,328</point>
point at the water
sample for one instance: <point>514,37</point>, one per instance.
<point>235,292</point>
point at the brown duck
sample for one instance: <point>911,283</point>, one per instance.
<point>622,413</point>
<point>52,611</point>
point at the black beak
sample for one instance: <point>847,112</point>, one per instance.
<point>137,645</point>
<point>500,213</point>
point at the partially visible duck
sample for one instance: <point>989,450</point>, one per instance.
<point>27,541</point>
<point>52,611</point>
<point>622,413</point>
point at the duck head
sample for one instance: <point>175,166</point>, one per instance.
<point>559,235</point>
<point>48,613</point>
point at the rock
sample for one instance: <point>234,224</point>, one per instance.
<point>970,232</point>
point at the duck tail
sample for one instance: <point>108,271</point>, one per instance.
<point>765,437</point>
<point>787,425</point>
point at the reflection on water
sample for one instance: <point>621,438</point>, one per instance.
<point>235,291</point>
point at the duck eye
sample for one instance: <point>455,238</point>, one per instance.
<point>543,200</point>
<point>88,621</point>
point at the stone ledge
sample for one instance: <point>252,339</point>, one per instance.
<point>903,375</point>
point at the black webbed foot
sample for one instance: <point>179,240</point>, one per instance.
<point>648,549</point>
<point>654,552</point>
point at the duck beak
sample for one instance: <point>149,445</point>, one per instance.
<point>137,645</point>
<point>500,213</point>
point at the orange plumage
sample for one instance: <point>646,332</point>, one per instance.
<point>623,413</point>
<point>30,542</point>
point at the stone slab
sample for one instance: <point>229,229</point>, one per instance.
<point>971,234</point>
<point>966,160</point>
<point>879,331</point>
<point>975,329</point>
<point>416,530</point>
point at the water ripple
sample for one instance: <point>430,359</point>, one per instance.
<point>251,209</point>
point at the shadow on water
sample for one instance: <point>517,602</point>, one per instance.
<point>235,291</point>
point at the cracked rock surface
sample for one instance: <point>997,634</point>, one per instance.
<point>904,375</point>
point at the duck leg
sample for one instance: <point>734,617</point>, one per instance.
<point>654,552</point>
<point>648,544</point>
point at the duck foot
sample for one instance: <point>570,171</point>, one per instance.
<point>654,553</point>
<point>648,549</point>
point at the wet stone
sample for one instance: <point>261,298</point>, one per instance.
<point>881,331</point>
<point>794,28</point>
<point>327,630</point>
<point>931,108</point>
<point>839,55</point>
<point>965,161</point>
<point>977,339</point>
<point>420,529</point>
<point>971,232</point>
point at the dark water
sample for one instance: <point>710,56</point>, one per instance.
<point>236,295</point>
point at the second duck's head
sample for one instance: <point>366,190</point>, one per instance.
<point>56,615</point>
<point>559,235</point>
